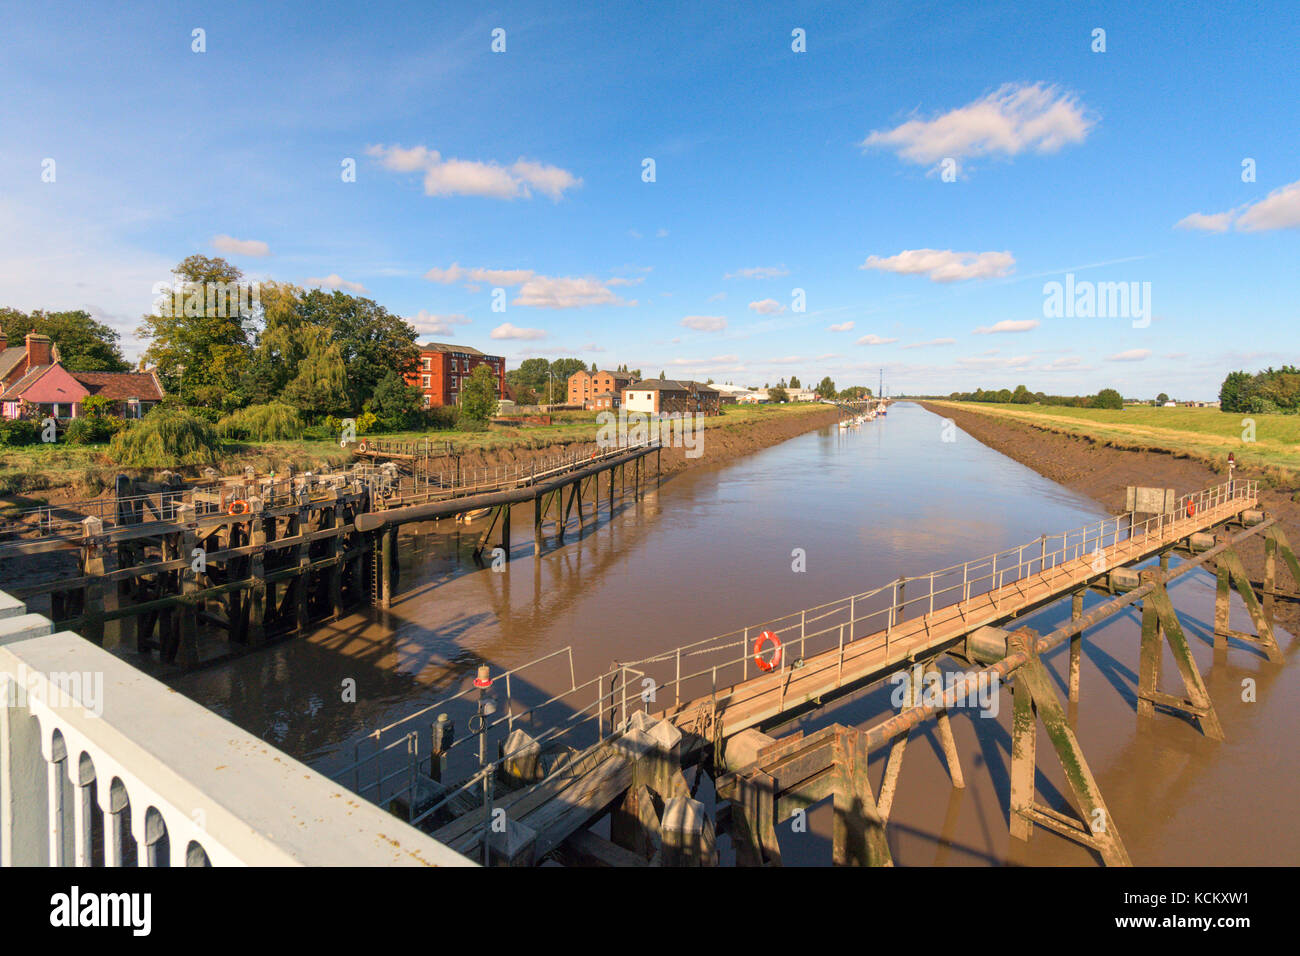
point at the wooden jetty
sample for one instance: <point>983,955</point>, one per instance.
<point>191,572</point>
<point>636,770</point>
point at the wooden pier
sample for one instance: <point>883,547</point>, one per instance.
<point>192,572</point>
<point>638,771</point>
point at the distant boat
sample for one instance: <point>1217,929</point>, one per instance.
<point>476,513</point>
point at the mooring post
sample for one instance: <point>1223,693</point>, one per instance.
<point>257,597</point>
<point>858,837</point>
<point>388,554</point>
<point>505,531</point>
<point>188,649</point>
<point>1076,645</point>
<point>93,547</point>
<point>537,525</point>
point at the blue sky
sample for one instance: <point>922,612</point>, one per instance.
<point>775,170</point>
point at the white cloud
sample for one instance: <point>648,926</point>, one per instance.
<point>336,281</point>
<point>1131,355</point>
<point>508,331</point>
<point>426,323</point>
<point>1007,325</point>
<point>565,292</point>
<point>463,177</point>
<point>1013,118</point>
<point>1280,209</point>
<point>1060,363</point>
<point>705,323</point>
<point>539,291</point>
<point>1216,222</point>
<point>240,247</point>
<point>716,297</point>
<point>874,340</point>
<point>455,273</point>
<point>758,272</point>
<point>921,345</point>
<point>661,234</point>
<point>593,347</point>
<point>840,327</point>
<point>767,307</point>
<point>944,265</point>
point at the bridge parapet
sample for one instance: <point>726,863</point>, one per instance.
<point>103,765</point>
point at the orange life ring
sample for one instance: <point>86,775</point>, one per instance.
<point>363,446</point>
<point>1191,508</point>
<point>239,503</point>
<point>775,662</point>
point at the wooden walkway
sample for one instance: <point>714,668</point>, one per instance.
<point>751,702</point>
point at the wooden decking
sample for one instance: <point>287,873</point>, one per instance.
<point>751,702</point>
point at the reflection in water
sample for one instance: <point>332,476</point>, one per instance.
<point>712,550</point>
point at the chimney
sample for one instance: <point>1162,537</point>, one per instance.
<point>38,349</point>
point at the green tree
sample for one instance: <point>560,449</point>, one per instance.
<point>777,394</point>
<point>1234,393</point>
<point>396,404</point>
<point>1021,396</point>
<point>84,344</point>
<point>1161,398</point>
<point>826,388</point>
<point>202,349</point>
<point>371,340</point>
<point>478,397</point>
<point>794,382</point>
<point>532,373</point>
<point>1108,398</point>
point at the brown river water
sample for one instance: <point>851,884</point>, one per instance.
<point>711,551</point>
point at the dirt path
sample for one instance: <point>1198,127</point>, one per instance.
<point>1103,473</point>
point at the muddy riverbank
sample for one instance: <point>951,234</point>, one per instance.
<point>719,442</point>
<point>1103,472</point>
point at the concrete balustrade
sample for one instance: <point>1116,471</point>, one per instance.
<point>95,756</point>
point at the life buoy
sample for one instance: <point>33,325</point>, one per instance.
<point>238,507</point>
<point>1191,508</point>
<point>775,662</point>
<point>363,446</point>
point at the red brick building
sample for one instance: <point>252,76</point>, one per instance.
<point>442,370</point>
<point>598,390</point>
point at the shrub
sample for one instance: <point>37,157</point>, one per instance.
<point>166,438</point>
<point>274,421</point>
<point>442,416</point>
<point>88,431</point>
<point>19,432</point>
<point>203,412</point>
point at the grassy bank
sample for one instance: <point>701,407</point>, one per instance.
<point>52,472</point>
<point>1206,434</point>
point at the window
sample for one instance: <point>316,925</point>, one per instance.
<point>453,382</point>
<point>424,381</point>
<point>428,362</point>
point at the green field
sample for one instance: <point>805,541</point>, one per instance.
<point>1204,433</point>
<point>86,470</point>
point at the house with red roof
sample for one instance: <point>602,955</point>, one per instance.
<point>32,377</point>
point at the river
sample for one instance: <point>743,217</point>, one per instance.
<point>715,548</point>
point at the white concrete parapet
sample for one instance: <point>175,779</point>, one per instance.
<point>84,733</point>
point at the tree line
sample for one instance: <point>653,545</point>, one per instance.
<point>1106,398</point>
<point>1272,390</point>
